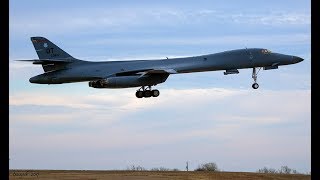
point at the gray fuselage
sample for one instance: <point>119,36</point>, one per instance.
<point>79,70</point>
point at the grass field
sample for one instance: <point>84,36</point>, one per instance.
<point>143,175</point>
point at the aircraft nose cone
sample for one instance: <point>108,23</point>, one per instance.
<point>296,59</point>
<point>33,80</point>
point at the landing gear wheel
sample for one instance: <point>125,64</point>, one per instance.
<point>255,85</point>
<point>155,93</point>
<point>139,94</point>
<point>147,93</point>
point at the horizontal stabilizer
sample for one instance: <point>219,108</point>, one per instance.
<point>49,65</point>
<point>47,61</point>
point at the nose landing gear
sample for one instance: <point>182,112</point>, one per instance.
<point>255,85</point>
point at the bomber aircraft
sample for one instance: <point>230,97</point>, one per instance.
<point>60,67</point>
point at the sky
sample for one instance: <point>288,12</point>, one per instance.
<point>198,117</point>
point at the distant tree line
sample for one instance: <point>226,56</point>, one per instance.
<point>202,167</point>
<point>140,168</point>
<point>164,169</point>
<point>207,167</point>
<point>213,167</point>
<point>135,168</point>
<point>282,170</point>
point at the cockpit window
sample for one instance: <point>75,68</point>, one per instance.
<point>265,51</point>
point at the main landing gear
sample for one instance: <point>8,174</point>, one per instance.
<point>255,85</point>
<point>147,92</point>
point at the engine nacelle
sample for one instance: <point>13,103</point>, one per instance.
<point>129,81</point>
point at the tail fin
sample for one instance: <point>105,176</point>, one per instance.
<point>51,57</point>
<point>47,50</point>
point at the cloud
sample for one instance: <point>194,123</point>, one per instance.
<point>265,103</point>
<point>123,18</point>
<point>265,39</point>
<point>282,18</point>
<point>220,121</point>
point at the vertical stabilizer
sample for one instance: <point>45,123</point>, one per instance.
<point>47,50</point>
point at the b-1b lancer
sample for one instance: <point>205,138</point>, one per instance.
<point>60,67</point>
